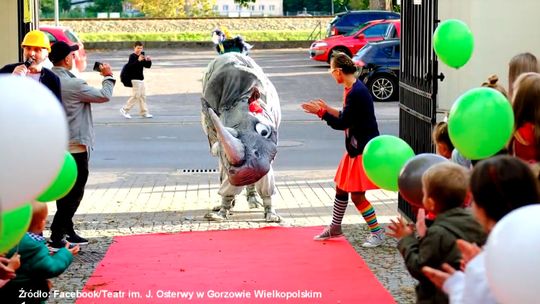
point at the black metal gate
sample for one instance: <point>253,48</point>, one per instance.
<point>418,80</point>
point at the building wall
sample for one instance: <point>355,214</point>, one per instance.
<point>258,8</point>
<point>501,30</point>
<point>9,35</point>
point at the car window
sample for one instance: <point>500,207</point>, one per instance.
<point>52,39</point>
<point>378,30</point>
<point>346,20</point>
<point>356,29</point>
<point>391,32</point>
<point>71,36</point>
<point>363,51</point>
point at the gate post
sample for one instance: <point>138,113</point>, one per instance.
<point>417,79</point>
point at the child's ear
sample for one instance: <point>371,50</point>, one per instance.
<point>430,204</point>
<point>468,199</point>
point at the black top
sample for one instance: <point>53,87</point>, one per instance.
<point>357,118</point>
<point>47,78</point>
<point>135,67</point>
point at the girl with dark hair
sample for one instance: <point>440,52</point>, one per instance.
<point>357,119</point>
<point>519,64</point>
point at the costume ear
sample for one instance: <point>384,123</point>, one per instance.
<point>255,94</point>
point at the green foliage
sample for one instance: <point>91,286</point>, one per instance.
<point>105,6</point>
<point>161,8</point>
<point>47,6</point>
<point>200,8</point>
<point>249,36</point>
<point>244,3</point>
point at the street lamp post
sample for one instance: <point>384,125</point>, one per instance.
<point>56,13</point>
<point>332,4</point>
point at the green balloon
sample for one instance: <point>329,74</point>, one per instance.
<point>453,42</point>
<point>14,223</point>
<point>480,123</point>
<point>64,181</point>
<point>383,158</point>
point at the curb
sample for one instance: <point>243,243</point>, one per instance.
<point>116,45</point>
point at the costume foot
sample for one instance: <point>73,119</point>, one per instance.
<point>270,215</point>
<point>219,216</point>
<point>253,202</point>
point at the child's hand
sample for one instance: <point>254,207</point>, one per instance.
<point>399,229</point>
<point>421,223</point>
<point>74,250</point>
<point>15,261</point>
<point>468,252</point>
<point>438,277</point>
<point>6,272</point>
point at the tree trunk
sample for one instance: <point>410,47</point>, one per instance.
<point>380,5</point>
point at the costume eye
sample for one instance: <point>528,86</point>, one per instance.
<point>263,130</point>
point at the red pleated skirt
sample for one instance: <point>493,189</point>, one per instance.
<point>350,175</point>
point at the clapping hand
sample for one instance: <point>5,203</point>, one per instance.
<point>399,229</point>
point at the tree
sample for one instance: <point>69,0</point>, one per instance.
<point>199,8</point>
<point>160,8</point>
<point>47,6</point>
<point>381,4</point>
<point>244,3</point>
<point>105,6</point>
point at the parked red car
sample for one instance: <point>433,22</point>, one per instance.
<point>61,33</point>
<point>376,30</point>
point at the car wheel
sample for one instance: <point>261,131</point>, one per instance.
<point>338,49</point>
<point>383,88</point>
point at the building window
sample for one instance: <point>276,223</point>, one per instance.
<point>215,8</point>
<point>238,7</point>
<point>225,8</point>
<point>261,7</point>
<point>272,7</point>
<point>253,7</point>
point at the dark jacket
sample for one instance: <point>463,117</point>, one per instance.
<point>47,78</point>
<point>438,246</point>
<point>358,116</point>
<point>134,67</point>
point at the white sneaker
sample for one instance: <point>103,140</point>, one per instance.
<point>147,115</point>
<point>124,113</point>
<point>374,239</point>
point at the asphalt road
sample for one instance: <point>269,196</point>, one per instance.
<point>173,139</point>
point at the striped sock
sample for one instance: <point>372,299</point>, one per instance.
<point>340,205</point>
<point>369,215</point>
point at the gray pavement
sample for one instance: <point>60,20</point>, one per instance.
<point>126,201</point>
<point>120,203</point>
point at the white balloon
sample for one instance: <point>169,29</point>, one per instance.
<point>513,256</point>
<point>33,139</point>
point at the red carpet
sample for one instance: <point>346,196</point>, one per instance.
<point>234,266</point>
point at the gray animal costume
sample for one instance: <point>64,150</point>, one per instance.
<point>241,116</point>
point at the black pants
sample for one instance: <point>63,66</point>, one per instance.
<point>67,206</point>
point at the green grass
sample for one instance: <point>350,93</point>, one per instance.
<point>193,36</point>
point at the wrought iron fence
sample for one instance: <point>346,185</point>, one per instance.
<point>418,79</point>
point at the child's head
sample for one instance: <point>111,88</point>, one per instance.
<point>445,186</point>
<point>138,47</point>
<point>519,64</point>
<point>526,99</point>
<point>499,185</point>
<point>39,217</point>
<point>441,138</point>
<point>492,82</point>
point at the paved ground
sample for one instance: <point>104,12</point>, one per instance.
<point>122,201</point>
<point>125,203</point>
